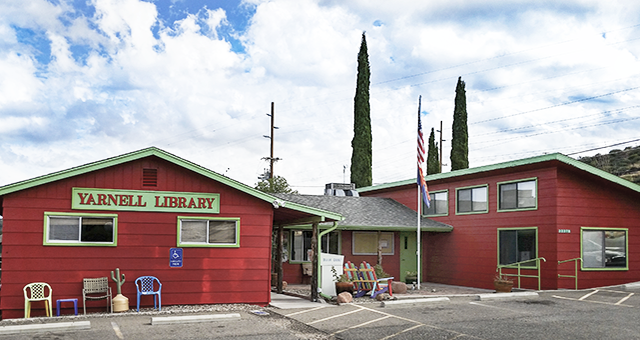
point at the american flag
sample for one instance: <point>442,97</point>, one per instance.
<point>421,182</point>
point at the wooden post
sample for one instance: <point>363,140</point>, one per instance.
<point>279,259</point>
<point>314,263</point>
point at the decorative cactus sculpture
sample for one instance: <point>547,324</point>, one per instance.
<point>118,281</point>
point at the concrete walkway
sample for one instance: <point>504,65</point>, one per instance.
<point>283,301</point>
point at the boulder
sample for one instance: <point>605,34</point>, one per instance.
<point>383,296</point>
<point>344,297</point>
<point>398,287</point>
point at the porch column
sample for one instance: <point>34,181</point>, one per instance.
<point>314,263</point>
<point>279,259</point>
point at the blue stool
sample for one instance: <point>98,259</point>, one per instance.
<point>75,305</point>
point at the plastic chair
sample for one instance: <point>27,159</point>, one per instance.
<point>36,292</point>
<point>144,286</point>
<point>96,286</point>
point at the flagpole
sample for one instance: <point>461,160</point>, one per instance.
<point>418,251</point>
<point>420,155</point>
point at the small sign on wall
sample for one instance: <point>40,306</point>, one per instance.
<point>564,231</point>
<point>175,257</point>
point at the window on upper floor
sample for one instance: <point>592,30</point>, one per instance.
<point>472,200</point>
<point>518,195</point>
<point>439,204</point>
<point>604,248</point>
<point>518,245</point>
<point>80,229</point>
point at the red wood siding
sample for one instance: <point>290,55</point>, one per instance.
<point>208,275</point>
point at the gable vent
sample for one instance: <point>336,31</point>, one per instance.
<point>149,177</point>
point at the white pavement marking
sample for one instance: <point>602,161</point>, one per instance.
<point>304,311</point>
<point>361,325</point>
<point>600,302</point>
<point>116,329</point>
<point>335,316</point>
<point>624,299</point>
<point>587,295</point>
<point>404,331</point>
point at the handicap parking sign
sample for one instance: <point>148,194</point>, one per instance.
<point>175,257</point>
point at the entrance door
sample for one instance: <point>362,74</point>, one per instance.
<point>408,257</point>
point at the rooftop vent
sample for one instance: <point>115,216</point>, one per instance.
<point>149,177</point>
<point>340,189</point>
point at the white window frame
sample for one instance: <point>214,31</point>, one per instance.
<point>52,242</point>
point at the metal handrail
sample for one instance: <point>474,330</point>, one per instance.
<point>576,270</point>
<point>518,265</point>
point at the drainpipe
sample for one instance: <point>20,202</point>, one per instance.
<point>322,233</point>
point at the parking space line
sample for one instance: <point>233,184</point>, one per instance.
<point>587,295</point>
<point>116,329</point>
<point>624,299</point>
<point>304,311</point>
<point>402,331</point>
<point>335,316</point>
<point>600,302</point>
<point>361,325</point>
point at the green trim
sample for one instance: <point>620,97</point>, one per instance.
<point>516,229</point>
<point>436,215</point>
<point>376,228</point>
<point>626,250</point>
<point>527,161</point>
<point>153,151</point>
<point>535,207</point>
<point>45,233</point>
<point>476,211</point>
<point>143,200</point>
<point>236,244</point>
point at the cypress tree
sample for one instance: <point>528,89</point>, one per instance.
<point>460,136</point>
<point>361,158</point>
<point>433,162</point>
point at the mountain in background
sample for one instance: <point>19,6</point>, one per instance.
<point>623,163</point>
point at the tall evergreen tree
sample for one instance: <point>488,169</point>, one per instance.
<point>460,137</point>
<point>361,158</point>
<point>433,159</point>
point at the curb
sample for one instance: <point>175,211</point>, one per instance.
<point>412,301</point>
<point>169,320</point>
<point>47,327</point>
<point>497,296</point>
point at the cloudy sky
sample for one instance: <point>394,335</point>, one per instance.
<point>84,80</point>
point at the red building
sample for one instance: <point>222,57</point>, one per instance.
<point>127,212</point>
<point>550,207</point>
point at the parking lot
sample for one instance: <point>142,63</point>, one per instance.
<point>585,314</point>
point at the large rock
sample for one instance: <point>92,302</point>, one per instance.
<point>398,287</point>
<point>345,297</point>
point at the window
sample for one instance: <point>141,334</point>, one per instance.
<point>439,204</point>
<point>208,232</point>
<point>517,195</point>
<point>604,248</point>
<point>517,245</point>
<point>80,229</point>
<point>367,243</point>
<point>472,200</point>
<point>301,244</point>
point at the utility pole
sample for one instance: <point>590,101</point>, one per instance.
<point>273,127</point>
<point>440,146</point>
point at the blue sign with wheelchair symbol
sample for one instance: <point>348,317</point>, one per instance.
<point>175,257</point>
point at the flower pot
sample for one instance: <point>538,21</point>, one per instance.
<point>120,303</point>
<point>503,286</point>
<point>344,287</point>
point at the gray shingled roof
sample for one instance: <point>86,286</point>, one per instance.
<point>367,213</point>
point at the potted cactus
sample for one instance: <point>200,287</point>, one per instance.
<point>120,302</point>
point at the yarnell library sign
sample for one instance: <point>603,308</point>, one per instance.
<point>138,200</point>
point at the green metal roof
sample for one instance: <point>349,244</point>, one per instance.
<point>153,151</point>
<point>520,162</point>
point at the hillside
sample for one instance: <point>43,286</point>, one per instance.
<point>624,163</point>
